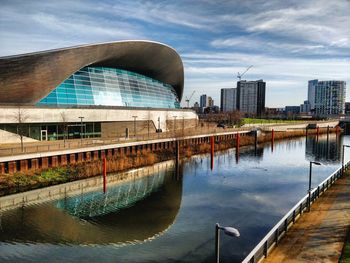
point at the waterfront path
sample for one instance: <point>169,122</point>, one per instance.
<point>318,236</point>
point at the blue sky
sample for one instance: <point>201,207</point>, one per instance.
<point>288,42</point>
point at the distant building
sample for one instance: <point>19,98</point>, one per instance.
<point>305,107</point>
<point>203,101</point>
<point>196,107</point>
<point>210,102</point>
<point>228,100</point>
<point>311,93</point>
<point>292,110</point>
<point>347,107</point>
<point>330,97</point>
<point>251,96</point>
<point>274,111</point>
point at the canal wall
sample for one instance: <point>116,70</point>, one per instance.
<point>58,170</point>
<point>78,187</point>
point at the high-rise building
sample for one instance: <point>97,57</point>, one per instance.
<point>210,102</point>
<point>228,99</point>
<point>251,96</point>
<point>311,93</point>
<point>330,97</point>
<point>203,101</point>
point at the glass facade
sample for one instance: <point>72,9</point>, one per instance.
<point>112,87</point>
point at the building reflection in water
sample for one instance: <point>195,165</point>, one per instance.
<point>131,212</point>
<point>327,149</point>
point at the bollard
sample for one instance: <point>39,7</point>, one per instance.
<point>104,174</point>
<point>317,132</point>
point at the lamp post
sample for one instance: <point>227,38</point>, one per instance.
<point>134,126</point>
<point>342,158</point>
<point>81,130</point>
<point>230,231</point>
<point>310,174</point>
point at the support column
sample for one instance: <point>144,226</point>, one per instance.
<point>12,167</point>
<point>63,159</point>
<point>54,161</point>
<point>95,155</point>
<point>109,153</point>
<point>103,154</point>
<point>72,158</point>
<point>80,158</point>
<point>2,168</point>
<point>88,156</point>
<point>35,164</point>
<point>44,162</point>
<point>24,165</point>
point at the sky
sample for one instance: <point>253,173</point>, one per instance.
<point>287,42</point>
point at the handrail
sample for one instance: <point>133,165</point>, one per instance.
<point>261,250</point>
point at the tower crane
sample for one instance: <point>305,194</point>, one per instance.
<point>189,98</point>
<point>239,75</point>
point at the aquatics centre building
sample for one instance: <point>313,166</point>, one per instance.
<point>109,89</point>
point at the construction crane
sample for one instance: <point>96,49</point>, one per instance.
<point>239,75</point>
<point>188,99</point>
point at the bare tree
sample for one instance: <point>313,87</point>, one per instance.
<point>64,127</point>
<point>20,117</point>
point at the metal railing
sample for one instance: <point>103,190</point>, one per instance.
<point>279,230</point>
<point>48,146</point>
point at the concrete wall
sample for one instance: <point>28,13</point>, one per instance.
<point>10,137</point>
<point>55,115</point>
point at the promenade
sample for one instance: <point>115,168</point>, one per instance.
<point>318,236</point>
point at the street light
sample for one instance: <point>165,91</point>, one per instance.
<point>230,231</point>
<point>342,159</point>
<point>310,173</point>
<point>81,130</point>
<point>134,126</point>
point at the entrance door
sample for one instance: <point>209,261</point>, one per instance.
<point>43,135</point>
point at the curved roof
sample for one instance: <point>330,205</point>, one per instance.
<point>27,78</point>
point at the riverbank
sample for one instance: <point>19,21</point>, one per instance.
<point>29,180</point>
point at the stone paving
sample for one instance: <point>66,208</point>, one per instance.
<point>318,236</point>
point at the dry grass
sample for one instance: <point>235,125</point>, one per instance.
<point>23,181</point>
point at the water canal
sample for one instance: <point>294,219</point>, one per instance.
<point>169,216</point>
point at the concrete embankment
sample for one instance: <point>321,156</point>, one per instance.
<point>78,187</point>
<point>70,167</point>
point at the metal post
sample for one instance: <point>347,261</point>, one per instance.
<point>81,130</point>
<point>134,126</point>
<point>309,200</point>
<point>212,152</point>
<point>217,243</point>
<point>104,174</point>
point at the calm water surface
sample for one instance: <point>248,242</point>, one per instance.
<point>170,216</point>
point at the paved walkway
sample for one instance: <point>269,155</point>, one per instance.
<point>318,236</point>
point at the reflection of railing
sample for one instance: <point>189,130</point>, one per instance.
<point>279,230</point>
<point>97,203</point>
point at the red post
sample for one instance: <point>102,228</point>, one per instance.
<point>212,152</point>
<point>237,141</point>
<point>104,174</point>
<point>337,129</point>
<point>272,138</point>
